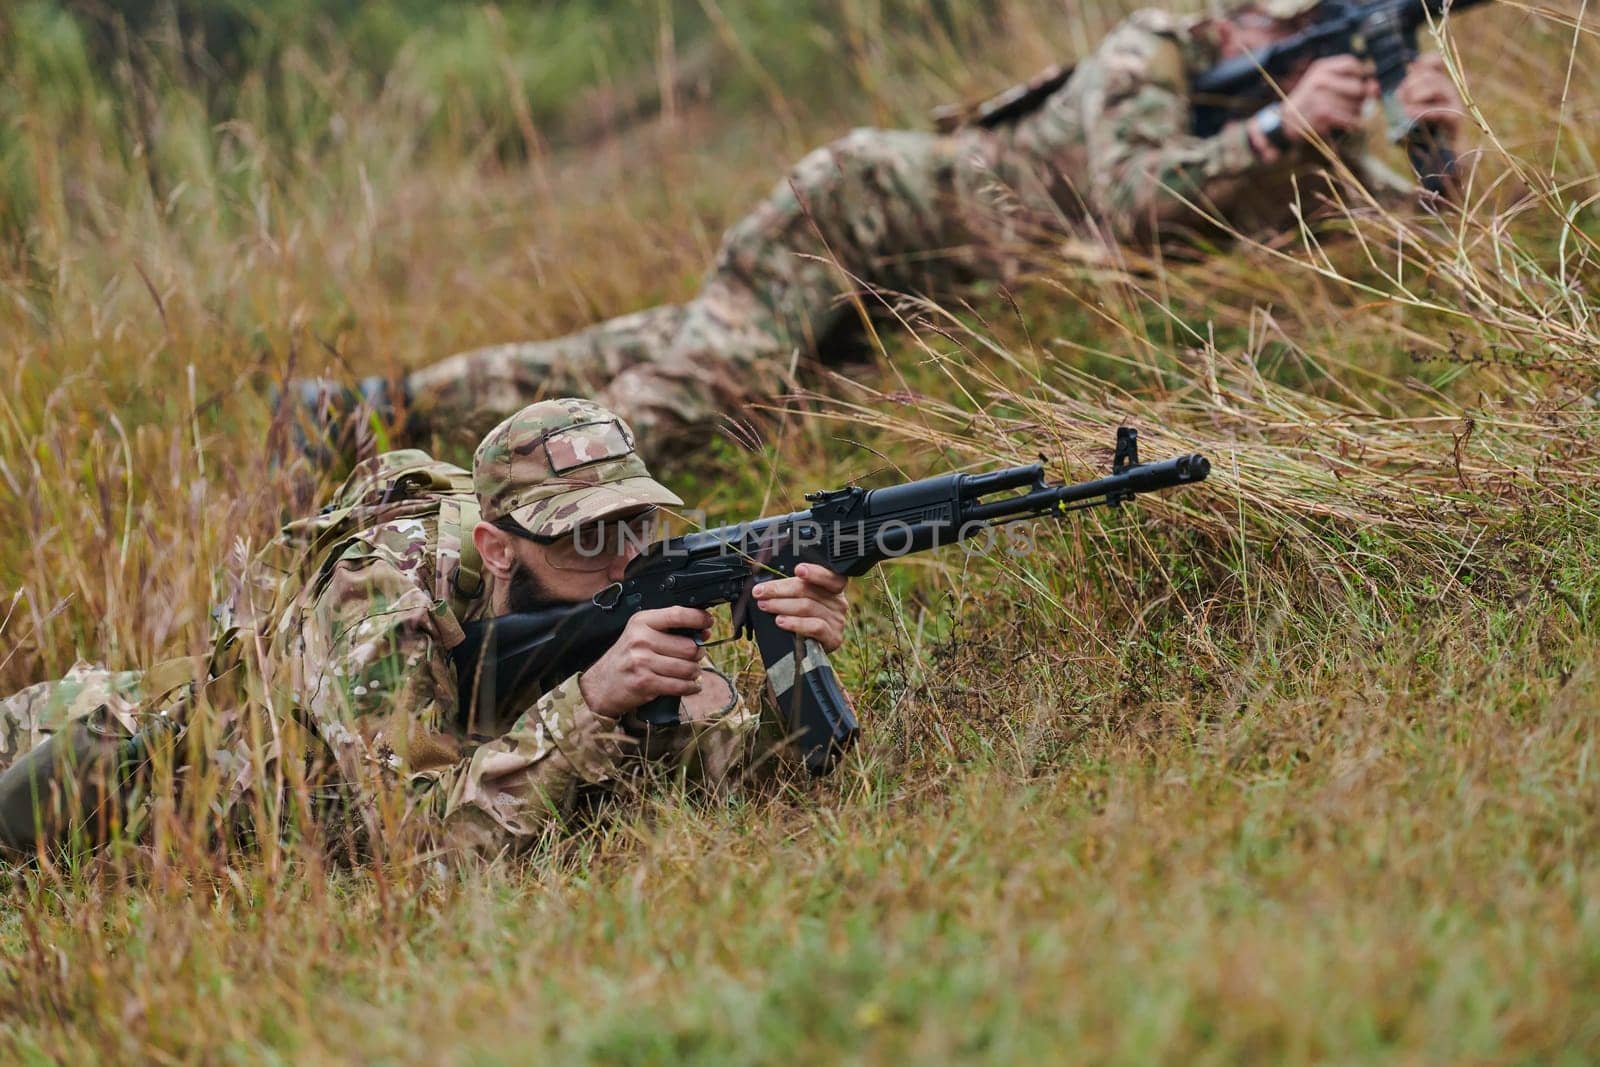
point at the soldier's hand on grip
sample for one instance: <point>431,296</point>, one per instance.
<point>649,660</point>
<point>1329,98</point>
<point>1428,95</point>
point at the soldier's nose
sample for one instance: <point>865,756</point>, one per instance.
<point>619,563</point>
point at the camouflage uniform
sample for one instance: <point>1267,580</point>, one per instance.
<point>359,648</point>
<point>1108,154</point>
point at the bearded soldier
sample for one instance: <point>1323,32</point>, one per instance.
<point>371,597</point>
<point>1107,151</point>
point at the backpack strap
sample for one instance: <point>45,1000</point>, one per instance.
<point>457,516</point>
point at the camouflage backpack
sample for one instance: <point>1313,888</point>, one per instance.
<point>80,782</point>
<point>407,483</point>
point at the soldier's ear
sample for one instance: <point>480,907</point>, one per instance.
<point>496,549</point>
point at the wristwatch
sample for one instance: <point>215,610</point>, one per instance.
<point>1269,120</point>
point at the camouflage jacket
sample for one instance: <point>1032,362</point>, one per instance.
<point>1117,137</point>
<point>362,651</point>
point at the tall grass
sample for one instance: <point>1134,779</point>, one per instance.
<point>1295,766</point>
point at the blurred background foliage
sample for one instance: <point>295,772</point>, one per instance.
<point>151,81</point>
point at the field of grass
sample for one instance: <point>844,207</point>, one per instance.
<point>1297,766</point>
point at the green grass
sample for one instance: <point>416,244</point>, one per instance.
<point>1296,766</point>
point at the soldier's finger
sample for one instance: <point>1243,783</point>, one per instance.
<point>801,585</point>
<point>1418,96</point>
<point>1434,85</point>
<point>779,587</point>
<point>819,630</point>
<point>799,605</point>
<point>1339,65</point>
<point>820,577</point>
<point>675,687</point>
<point>673,646</point>
<point>1354,85</point>
<point>668,667</point>
<point>1341,104</point>
<point>1341,72</point>
<point>1348,104</point>
<point>675,618</point>
<point>1338,117</point>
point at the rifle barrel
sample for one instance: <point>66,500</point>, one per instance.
<point>1145,478</point>
<point>1439,8</point>
<point>1242,74</point>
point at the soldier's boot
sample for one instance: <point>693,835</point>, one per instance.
<point>64,766</point>
<point>327,420</point>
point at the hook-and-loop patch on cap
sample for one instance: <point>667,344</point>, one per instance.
<point>572,447</point>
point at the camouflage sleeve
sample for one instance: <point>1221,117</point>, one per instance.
<point>375,678</point>
<point>516,786</point>
<point>510,790</point>
<point>1147,172</point>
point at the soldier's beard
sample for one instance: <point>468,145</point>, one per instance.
<point>525,593</point>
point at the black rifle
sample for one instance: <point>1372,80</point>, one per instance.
<point>1384,31</point>
<point>507,661</point>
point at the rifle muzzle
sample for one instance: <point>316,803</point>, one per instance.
<point>1179,470</point>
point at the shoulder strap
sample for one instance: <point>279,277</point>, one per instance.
<point>457,516</point>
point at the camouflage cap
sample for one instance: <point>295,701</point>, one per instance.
<point>559,463</point>
<point>1282,10</point>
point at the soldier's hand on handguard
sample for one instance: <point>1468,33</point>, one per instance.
<point>1428,95</point>
<point>1329,98</point>
<point>811,604</point>
<point>649,660</point>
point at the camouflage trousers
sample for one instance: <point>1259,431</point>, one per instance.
<point>875,213</point>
